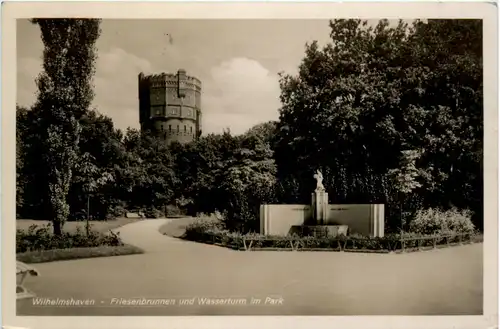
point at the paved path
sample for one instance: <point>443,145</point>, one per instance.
<point>445,282</point>
<point>146,235</point>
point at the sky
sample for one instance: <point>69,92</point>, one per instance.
<point>238,62</point>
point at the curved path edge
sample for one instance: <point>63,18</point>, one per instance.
<point>145,234</point>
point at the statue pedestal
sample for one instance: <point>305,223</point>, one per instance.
<point>319,205</point>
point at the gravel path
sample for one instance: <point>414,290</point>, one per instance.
<point>444,282</point>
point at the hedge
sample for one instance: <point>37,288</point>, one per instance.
<point>386,244</point>
<point>43,256</point>
<point>39,245</point>
<point>40,238</point>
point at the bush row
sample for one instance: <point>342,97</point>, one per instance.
<point>437,221</point>
<point>41,238</point>
<point>43,256</point>
<point>209,231</point>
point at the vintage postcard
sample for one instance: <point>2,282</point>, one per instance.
<point>249,164</point>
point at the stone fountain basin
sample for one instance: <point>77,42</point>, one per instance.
<point>321,231</point>
<point>327,230</point>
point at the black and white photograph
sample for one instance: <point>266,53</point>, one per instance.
<point>254,167</point>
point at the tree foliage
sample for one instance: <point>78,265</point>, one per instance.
<point>230,174</point>
<point>64,94</point>
<point>373,94</point>
<point>101,157</point>
<point>150,171</point>
<point>389,113</point>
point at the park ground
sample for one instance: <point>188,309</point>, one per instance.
<point>439,282</point>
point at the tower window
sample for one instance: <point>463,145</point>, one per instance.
<point>184,128</point>
<point>177,128</point>
<point>191,130</point>
<point>169,127</point>
<point>161,127</point>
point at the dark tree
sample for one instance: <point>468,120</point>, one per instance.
<point>386,112</point>
<point>65,92</point>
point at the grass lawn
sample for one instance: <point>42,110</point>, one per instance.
<point>43,256</point>
<point>98,226</point>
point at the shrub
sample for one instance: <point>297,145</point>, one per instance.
<point>435,221</point>
<point>323,242</point>
<point>202,226</point>
<point>117,210</point>
<point>212,231</point>
<point>101,208</point>
<point>40,238</point>
<point>242,212</point>
<point>216,215</point>
<point>173,211</point>
<point>153,213</point>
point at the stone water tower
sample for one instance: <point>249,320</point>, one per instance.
<point>170,106</point>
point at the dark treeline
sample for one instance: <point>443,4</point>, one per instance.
<point>389,114</point>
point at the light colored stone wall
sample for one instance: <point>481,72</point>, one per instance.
<point>378,220</point>
<point>279,219</point>
<point>361,218</point>
<point>340,214</point>
<point>365,219</point>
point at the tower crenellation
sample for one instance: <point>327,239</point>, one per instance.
<point>170,106</point>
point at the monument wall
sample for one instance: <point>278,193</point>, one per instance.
<point>365,219</point>
<point>278,219</point>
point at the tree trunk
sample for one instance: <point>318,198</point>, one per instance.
<point>87,226</point>
<point>401,201</point>
<point>57,227</point>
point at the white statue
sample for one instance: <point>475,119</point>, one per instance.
<point>319,181</point>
